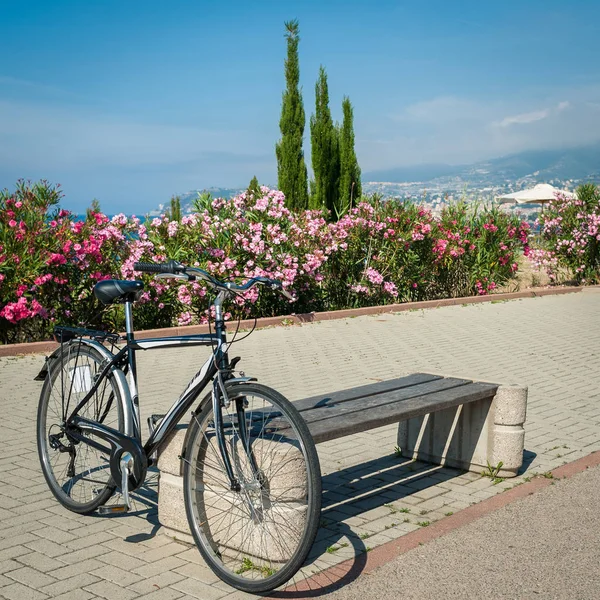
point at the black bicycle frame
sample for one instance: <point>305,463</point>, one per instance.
<point>216,363</point>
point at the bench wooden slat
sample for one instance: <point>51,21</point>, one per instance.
<point>356,421</point>
<point>371,404</point>
<point>363,391</point>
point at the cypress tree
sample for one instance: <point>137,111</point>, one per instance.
<point>350,188</point>
<point>291,168</point>
<point>324,150</point>
<point>254,188</point>
<point>174,211</point>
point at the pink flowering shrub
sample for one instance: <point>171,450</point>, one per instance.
<point>243,237</point>
<point>49,262</point>
<point>385,250</point>
<point>400,252</point>
<point>377,253</point>
<point>476,250</point>
<point>570,236</point>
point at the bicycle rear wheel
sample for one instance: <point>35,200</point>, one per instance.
<point>78,474</point>
<point>255,539</point>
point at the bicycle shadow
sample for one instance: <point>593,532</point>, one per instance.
<point>144,505</point>
<point>350,492</point>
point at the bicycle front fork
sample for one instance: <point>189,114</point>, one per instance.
<point>221,400</point>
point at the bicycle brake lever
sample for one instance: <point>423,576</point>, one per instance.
<point>182,276</point>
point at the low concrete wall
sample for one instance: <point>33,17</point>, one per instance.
<point>471,436</point>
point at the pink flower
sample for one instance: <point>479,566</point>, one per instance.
<point>360,289</point>
<point>38,309</point>
<point>14,312</point>
<point>183,294</point>
<point>18,204</point>
<point>42,279</point>
<point>374,276</point>
<point>185,318</point>
<point>390,288</point>
<point>56,259</point>
<point>172,228</point>
<point>12,223</point>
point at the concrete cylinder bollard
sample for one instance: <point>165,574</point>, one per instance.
<point>507,436</point>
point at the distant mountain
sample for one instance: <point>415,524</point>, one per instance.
<point>215,192</point>
<point>569,163</point>
<point>412,173</point>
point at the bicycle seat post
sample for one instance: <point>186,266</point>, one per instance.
<point>132,363</point>
<point>129,320</point>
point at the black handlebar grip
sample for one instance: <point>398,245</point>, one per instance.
<point>169,267</point>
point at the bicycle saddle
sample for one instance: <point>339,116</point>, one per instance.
<point>114,291</point>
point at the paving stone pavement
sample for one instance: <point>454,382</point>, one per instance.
<point>551,343</point>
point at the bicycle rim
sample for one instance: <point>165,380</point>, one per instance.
<point>255,539</point>
<point>78,474</point>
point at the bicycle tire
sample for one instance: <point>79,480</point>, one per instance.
<point>281,501</point>
<point>86,484</point>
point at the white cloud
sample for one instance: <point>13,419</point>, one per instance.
<point>459,130</point>
<point>530,117</point>
<point>533,116</point>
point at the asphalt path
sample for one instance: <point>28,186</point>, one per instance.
<point>546,545</point>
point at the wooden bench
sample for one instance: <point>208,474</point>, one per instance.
<point>444,420</point>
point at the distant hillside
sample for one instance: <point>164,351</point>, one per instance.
<point>187,198</point>
<point>569,163</point>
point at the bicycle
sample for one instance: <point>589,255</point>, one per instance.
<point>252,482</point>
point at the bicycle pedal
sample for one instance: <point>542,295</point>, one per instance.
<point>113,509</point>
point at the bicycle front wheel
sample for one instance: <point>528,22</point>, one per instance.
<point>257,538</point>
<point>77,473</point>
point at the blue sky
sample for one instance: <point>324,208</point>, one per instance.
<point>131,102</point>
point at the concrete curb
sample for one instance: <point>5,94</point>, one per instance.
<point>333,577</point>
<point>298,319</point>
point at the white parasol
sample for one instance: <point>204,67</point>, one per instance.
<point>540,194</point>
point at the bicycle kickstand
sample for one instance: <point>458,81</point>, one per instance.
<point>126,464</point>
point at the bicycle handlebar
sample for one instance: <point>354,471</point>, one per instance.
<point>172,267</point>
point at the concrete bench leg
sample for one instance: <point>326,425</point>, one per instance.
<point>471,436</point>
<point>287,485</point>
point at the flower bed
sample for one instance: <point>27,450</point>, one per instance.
<point>379,253</point>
